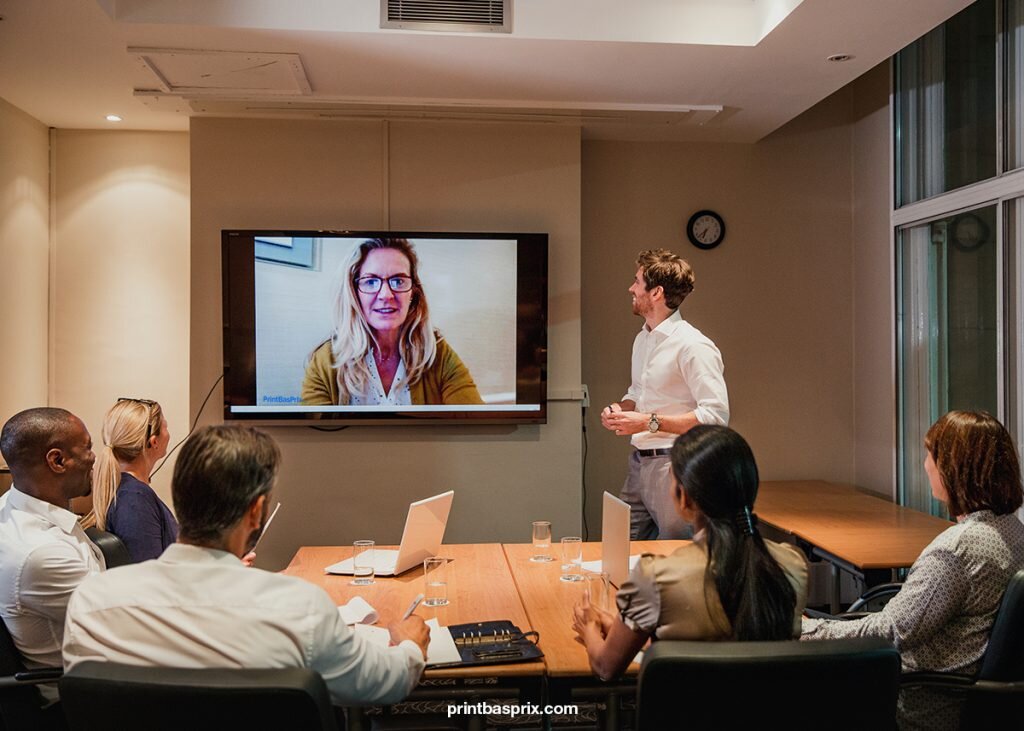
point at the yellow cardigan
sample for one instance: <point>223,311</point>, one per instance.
<point>446,381</point>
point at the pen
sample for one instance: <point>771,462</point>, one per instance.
<point>412,607</point>
<point>266,525</point>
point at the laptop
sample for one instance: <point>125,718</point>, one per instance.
<point>424,530</point>
<point>615,539</point>
<point>615,558</point>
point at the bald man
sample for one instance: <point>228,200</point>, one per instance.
<point>44,553</point>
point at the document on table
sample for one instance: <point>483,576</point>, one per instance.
<point>595,566</point>
<point>358,611</point>
<point>440,651</point>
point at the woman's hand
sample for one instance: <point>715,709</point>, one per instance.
<point>590,622</point>
<point>249,559</point>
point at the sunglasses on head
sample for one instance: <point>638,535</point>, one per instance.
<point>148,404</point>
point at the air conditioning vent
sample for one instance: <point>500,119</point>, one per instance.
<point>471,16</point>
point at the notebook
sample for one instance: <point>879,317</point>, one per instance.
<point>424,531</point>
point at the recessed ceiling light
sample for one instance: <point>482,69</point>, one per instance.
<point>839,57</point>
<point>113,118</point>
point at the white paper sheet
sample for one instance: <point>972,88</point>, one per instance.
<point>358,611</point>
<point>595,566</point>
<point>442,649</point>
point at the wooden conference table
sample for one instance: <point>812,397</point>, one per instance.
<point>854,531</point>
<point>486,582</point>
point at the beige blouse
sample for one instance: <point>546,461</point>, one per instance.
<point>671,597</point>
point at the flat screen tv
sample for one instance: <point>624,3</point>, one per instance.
<point>379,327</point>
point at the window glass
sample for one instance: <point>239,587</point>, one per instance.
<point>949,333</point>
<point>946,106</point>
<point>1014,96</point>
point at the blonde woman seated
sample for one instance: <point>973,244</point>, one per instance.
<point>135,438</point>
<point>384,349</point>
<point>941,618</point>
<point>728,584</point>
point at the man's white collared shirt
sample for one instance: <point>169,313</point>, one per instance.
<point>676,369</point>
<point>44,556</point>
<point>202,608</point>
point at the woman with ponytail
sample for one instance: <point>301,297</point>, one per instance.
<point>135,438</point>
<point>728,584</point>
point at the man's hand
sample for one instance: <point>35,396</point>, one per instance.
<point>412,628</point>
<point>624,422</point>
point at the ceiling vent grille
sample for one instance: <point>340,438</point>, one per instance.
<point>472,16</point>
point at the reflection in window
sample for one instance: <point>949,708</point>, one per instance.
<point>1014,96</point>
<point>946,106</point>
<point>949,332</point>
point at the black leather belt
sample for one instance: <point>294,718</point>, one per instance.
<point>654,452</point>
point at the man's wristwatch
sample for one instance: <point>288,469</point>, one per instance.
<point>654,425</point>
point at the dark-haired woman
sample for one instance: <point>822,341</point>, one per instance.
<point>729,583</point>
<point>942,617</point>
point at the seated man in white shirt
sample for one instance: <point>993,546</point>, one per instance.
<point>198,606</point>
<point>44,553</point>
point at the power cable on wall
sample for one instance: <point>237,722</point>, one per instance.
<point>200,413</point>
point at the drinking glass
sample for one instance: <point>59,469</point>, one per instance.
<point>572,557</point>
<point>435,578</point>
<point>542,541</point>
<point>597,587</point>
<point>362,563</point>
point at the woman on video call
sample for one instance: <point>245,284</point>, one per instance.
<point>383,349</point>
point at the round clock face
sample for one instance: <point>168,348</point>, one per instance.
<point>969,232</point>
<point>706,229</point>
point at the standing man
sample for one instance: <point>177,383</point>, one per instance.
<point>44,553</point>
<point>677,383</point>
<point>199,606</point>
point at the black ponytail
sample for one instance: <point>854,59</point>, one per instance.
<point>714,466</point>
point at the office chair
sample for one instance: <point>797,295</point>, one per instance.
<point>113,549</point>
<point>826,684</point>
<point>997,690</point>
<point>21,705</point>
<point>100,695</point>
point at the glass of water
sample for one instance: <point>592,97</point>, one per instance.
<point>597,588</point>
<point>541,541</point>
<point>572,559</point>
<point>435,579</point>
<point>362,563</point>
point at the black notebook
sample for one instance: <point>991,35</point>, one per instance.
<point>490,643</point>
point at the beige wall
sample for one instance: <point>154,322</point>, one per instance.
<point>121,275</point>
<point>356,483</point>
<point>776,296</point>
<point>874,280</point>
<point>24,260</point>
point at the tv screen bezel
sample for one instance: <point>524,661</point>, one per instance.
<point>238,273</point>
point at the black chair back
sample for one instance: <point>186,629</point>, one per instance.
<point>98,695</point>
<point>998,690</point>
<point>1004,657</point>
<point>791,684</point>
<point>21,706</point>
<point>115,553</point>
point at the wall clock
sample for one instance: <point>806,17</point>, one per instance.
<point>706,229</point>
<point>969,232</point>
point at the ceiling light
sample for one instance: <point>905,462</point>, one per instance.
<point>839,57</point>
<point>113,118</point>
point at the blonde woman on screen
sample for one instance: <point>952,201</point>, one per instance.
<point>383,349</point>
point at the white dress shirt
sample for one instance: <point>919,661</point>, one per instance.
<point>44,556</point>
<point>202,608</point>
<point>676,370</point>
